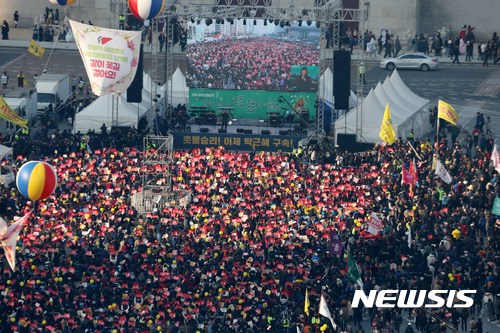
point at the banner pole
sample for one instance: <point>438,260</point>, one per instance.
<point>437,136</point>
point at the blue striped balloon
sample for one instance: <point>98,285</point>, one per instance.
<point>36,180</point>
<point>61,2</point>
<point>146,9</point>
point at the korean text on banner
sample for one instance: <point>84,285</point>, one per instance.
<point>8,114</point>
<point>110,56</point>
<point>375,224</point>
<point>447,112</point>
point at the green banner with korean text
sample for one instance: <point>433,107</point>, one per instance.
<point>254,104</point>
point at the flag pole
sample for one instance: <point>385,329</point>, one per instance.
<point>437,135</point>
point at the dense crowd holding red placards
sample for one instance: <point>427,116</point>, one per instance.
<point>262,63</point>
<point>257,233</point>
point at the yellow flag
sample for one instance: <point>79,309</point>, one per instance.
<point>306,303</point>
<point>447,112</point>
<point>36,49</point>
<point>8,114</point>
<point>386,129</point>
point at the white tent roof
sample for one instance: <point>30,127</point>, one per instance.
<point>405,92</point>
<point>326,85</point>
<point>180,90</point>
<point>403,110</point>
<point>100,112</point>
<point>370,119</point>
<point>148,84</point>
<point>4,150</point>
<point>15,103</point>
<point>407,111</point>
<point>326,89</point>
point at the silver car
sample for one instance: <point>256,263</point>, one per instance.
<point>410,60</point>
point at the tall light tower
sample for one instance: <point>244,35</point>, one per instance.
<point>364,10</point>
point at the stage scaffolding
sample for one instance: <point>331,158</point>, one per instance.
<point>326,14</point>
<point>157,189</point>
<point>157,192</point>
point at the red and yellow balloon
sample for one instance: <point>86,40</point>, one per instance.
<point>36,180</point>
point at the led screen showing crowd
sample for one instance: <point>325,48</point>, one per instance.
<point>253,55</point>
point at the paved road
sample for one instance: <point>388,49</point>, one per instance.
<point>63,61</point>
<point>469,88</point>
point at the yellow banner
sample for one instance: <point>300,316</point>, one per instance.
<point>8,114</point>
<point>386,129</point>
<point>447,112</point>
<point>36,49</point>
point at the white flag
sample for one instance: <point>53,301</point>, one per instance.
<point>8,238</point>
<point>324,311</point>
<point>110,56</point>
<point>495,159</point>
<point>442,172</point>
<point>408,233</point>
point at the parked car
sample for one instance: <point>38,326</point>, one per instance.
<point>410,60</point>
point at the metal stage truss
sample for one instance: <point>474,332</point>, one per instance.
<point>325,14</point>
<point>156,176</point>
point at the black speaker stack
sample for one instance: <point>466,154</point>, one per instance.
<point>341,79</point>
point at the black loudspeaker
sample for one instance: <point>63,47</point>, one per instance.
<point>240,130</point>
<point>345,140</point>
<point>204,130</point>
<point>341,79</point>
<point>134,91</point>
<point>248,131</point>
<point>284,132</point>
<point>222,130</point>
<point>266,132</point>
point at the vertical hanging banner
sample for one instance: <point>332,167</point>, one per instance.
<point>110,56</point>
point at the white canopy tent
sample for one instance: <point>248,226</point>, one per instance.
<point>149,85</point>
<point>6,173</point>
<point>100,112</point>
<point>180,90</point>
<point>4,151</point>
<point>408,111</point>
<point>326,89</point>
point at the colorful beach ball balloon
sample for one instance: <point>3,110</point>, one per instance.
<point>146,9</point>
<point>61,2</point>
<point>36,180</point>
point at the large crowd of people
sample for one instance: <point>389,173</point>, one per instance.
<point>261,63</point>
<point>257,233</point>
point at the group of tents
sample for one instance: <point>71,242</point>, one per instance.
<point>129,114</point>
<point>408,110</point>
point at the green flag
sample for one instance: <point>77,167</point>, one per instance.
<point>496,206</point>
<point>441,193</point>
<point>352,269</point>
